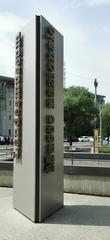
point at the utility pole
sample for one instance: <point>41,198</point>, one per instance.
<point>95,129</point>
<point>101,141</point>
<point>95,99</point>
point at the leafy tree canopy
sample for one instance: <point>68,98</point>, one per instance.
<point>106,119</point>
<point>79,112</point>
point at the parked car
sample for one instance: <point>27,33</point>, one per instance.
<point>73,139</point>
<point>107,139</point>
<point>84,139</point>
<point>7,138</point>
<point>91,139</point>
<point>11,140</point>
<point>104,140</point>
<point>2,140</point>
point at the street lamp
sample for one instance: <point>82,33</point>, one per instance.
<point>101,141</point>
<point>95,85</point>
<point>95,129</point>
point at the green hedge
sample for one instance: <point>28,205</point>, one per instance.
<point>104,149</point>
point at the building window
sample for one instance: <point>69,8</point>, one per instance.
<point>9,117</point>
<point>9,103</point>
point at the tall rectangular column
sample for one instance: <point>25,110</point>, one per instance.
<point>38,147</point>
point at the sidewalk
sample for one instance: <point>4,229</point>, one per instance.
<point>82,218</point>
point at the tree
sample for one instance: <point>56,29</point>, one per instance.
<point>106,120</point>
<point>79,112</point>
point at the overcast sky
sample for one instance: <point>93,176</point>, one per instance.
<point>85,25</point>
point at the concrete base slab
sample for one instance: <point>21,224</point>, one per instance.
<point>82,218</point>
<point>94,185</point>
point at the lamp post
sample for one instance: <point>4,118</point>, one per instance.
<point>95,99</point>
<point>95,85</point>
<point>95,129</point>
<point>101,141</point>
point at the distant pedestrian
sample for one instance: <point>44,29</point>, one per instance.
<point>70,142</point>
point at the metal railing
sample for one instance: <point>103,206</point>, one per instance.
<point>6,151</point>
<point>87,164</point>
<point>87,159</point>
<point>74,163</point>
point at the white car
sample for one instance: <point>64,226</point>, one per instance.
<point>84,139</point>
<point>107,138</point>
<point>91,139</point>
<point>2,140</point>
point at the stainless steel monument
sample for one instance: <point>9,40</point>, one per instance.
<point>38,121</point>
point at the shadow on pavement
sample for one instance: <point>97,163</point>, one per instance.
<point>81,215</point>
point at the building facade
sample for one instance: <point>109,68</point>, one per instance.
<point>6,106</point>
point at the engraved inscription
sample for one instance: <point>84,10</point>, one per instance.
<point>18,97</point>
<point>50,102</point>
